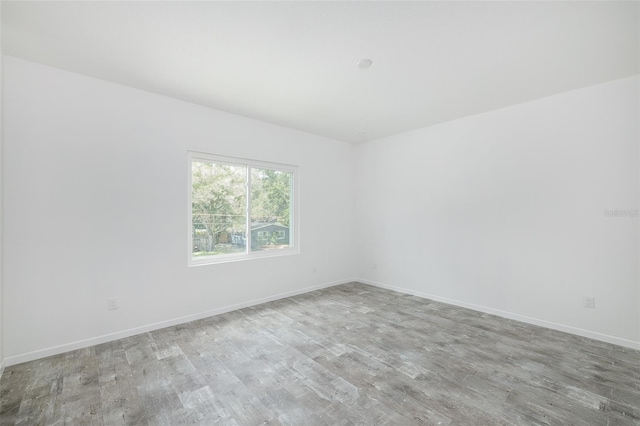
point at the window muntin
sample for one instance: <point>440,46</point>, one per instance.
<point>240,209</point>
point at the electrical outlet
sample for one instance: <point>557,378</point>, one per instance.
<point>315,269</point>
<point>113,304</point>
<point>375,266</point>
<point>589,302</point>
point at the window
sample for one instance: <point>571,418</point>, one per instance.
<point>240,209</point>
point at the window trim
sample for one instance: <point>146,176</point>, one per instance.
<point>294,231</point>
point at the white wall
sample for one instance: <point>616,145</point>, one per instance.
<point>504,211</point>
<point>96,207</point>
<point>1,197</point>
<point>501,212</point>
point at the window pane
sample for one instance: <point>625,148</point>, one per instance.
<point>219,203</point>
<point>271,210</point>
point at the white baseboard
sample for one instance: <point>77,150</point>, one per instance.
<point>510,315</point>
<point>1,367</point>
<point>55,350</point>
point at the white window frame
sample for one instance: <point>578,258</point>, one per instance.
<point>294,218</point>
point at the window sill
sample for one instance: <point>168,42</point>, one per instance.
<point>238,257</point>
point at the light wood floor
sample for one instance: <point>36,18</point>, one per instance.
<point>351,354</point>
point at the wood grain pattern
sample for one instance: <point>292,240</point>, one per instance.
<point>347,355</point>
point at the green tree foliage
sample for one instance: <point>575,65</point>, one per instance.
<point>271,196</point>
<point>218,201</point>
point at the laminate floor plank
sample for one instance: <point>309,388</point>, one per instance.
<point>346,355</point>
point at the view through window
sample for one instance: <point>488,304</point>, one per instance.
<point>240,208</point>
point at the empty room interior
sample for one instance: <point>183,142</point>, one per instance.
<point>320,213</point>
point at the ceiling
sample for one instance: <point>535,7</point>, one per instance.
<point>295,63</point>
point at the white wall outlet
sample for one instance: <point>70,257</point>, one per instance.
<point>589,302</point>
<point>375,266</point>
<point>314,269</point>
<point>113,303</point>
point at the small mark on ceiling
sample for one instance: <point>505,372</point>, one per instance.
<point>364,63</point>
